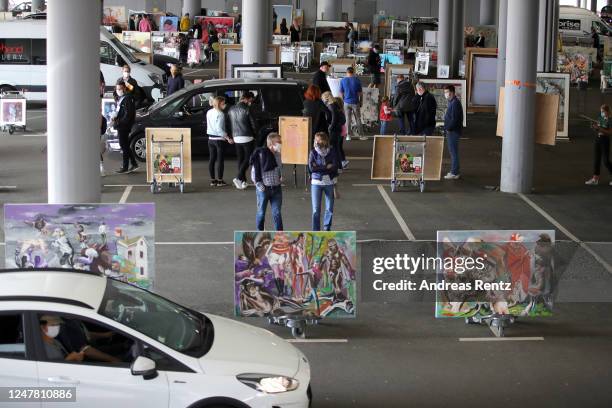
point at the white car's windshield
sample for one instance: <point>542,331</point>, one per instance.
<point>177,327</point>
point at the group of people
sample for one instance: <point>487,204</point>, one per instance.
<point>143,23</point>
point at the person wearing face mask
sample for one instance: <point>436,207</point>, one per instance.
<point>132,87</point>
<point>323,165</point>
<point>176,81</point>
<point>123,122</point>
<point>243,128</point>
<point>453,127</point>
<point>602,145</point>
<point>425,115</point>
<point>266,173</point>
<point>55,351</point>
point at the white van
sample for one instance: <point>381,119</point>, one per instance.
<point>25,43</point>
<point>575,25</point>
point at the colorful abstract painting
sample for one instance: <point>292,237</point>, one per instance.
<point>280,273</point>
<point>522,259</point>
<point>115,239</point>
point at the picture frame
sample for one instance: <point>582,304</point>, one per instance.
<point>436,88</point>
<point>259,71</point>
<point>13,111</point>
<point>557,83</point>
<point>472,54</point>
<point>280,12</point>
<point>391,73</point>
<point>443,71</point>
<point>231,54</point>
<point>339,66</point>
<point>422,63</point>
<point>108,106</point>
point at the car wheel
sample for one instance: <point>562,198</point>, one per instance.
<point>7,88</point>
<point>139,147</point>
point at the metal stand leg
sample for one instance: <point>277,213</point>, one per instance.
<point>496,322</point>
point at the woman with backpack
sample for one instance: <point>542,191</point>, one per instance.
<point>335,119</point>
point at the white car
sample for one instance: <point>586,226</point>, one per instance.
<point>122,346</point>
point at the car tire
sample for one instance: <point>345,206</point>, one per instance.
<point>139,147</point>
<point>6,88</point>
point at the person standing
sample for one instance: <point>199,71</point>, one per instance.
<point>453,127</point>
<point>351,37</point>
<point>217,138</point>
<point>132,87</point>
<point>185,23</point>
<point>384,115</point>
<point>132,26</point>
<point>267,174</point>
<point>123,122</point>
<point>425,116</point>
<point>295,31</point>
<point>320,77</point>
<point>145,25</point>
<point>196,31</point>
<point>103,128</point>
<point>374,66</point>
<point>284,30</point>
<point>351,92</point>
<point>602,145</point>
<point>336,120</point>
<point>404,105</point>
<point>243,126</point>
<point>323,165</point>
<point>176,82</point>
<point>315,109</point>
<point>480,40</point>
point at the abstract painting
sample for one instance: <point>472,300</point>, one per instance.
<point>557,84</point>
<point>13,112</point>
<point>436,88</point>
<point>115,239</point>
<point>576,61</point>
<point>369,105</point>
<point>169,23</point>
<point>522,259</point>
<point>284,273</point>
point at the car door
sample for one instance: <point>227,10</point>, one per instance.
<point>193,116</point>
<point>18,368</point>
<point>99,384</point>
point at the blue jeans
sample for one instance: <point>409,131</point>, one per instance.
<point>453,150</point>
<point>273,195</point>
<point>383,127</point>
<point>317,196</point>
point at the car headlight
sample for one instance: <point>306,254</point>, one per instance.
<point>269,384</point>
<point>157,80</point>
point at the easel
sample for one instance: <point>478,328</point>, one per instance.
<point>295,177</point>
<point>297,323</point>
<point>496,322</point>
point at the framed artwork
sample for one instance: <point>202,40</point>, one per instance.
<point>391,74</point>
<point>443,71</point>
<point>281,39</point>
<point>257,71</point>
<point>295,132</point>
<point>293,272</point>
<point>109,111</point>
<point>557,84</point>
<point>138,40</point>
<point>222,25</point>
<point>282,18</point>
<point>481,75</point>
<point>422,63</point>
<point>13,112</point>
<point>166,43</point>
<point>436,88</point>
<point>194,54</point>
<point>230,55</point>
<point>169,24</point>
<point>332,31</point>
<point>114,15</point>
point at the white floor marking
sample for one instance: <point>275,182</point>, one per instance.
<point>127,185</point>
<point>125,195</point>
<point>8,187</point>
<point>473,339</point>
<point>33,134</point>
<point>37,117</point>
<point>366,185</point>
<point>565,231</point>
<point>194,243</point>
<point>317,340</point>
<point>396,214</point>
<point>197,70</point>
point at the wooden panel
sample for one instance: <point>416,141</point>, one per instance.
<point>295,136</point>
<point>434,150</point>
<point>170,135</point>
<point>382,156</point>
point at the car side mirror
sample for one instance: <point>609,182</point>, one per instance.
<point>179,115</point>
<point>145,367</point>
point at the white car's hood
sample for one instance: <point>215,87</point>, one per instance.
<point>239,348</point>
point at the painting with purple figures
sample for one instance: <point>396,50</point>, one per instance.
<point>115,239</point>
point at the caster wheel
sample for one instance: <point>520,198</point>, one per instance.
<point>422,186</point>
<point>298,333</point>
<point>182,188</point>
<point>394,185</point>
<point>11,130</point>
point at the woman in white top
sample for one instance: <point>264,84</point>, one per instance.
<point>217,137</point>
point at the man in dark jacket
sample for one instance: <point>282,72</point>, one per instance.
<point>404,105</point>
<point>374,62</point>
<point>320,77</point>
<point>243,128</point>
<point>453,127</point>
<point>425,116</point>
<point>123,122</point>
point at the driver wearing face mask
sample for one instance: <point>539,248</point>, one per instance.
<point>50,327</point>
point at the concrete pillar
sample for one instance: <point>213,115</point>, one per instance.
<point>4,5</point>
<point>193,7</point>
<point>519,102</point>
<point>543,27</point>
<point>445,35</point>
<point>73,107</point>
<point>501,46</point>
<point>330,10</point>
<point>554,35</point>
<point>594,6</point>
<point>256,30</point>
<point>38,5</point>
<point>487,12</point>
<point>458,35</point>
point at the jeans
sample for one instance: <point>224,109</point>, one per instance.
<point>383,127</point>
<point>273,195</point>
<point>128,155</point>
<point>244,152</point>
<point>215,151</point>
<point>453,150</point>
<point>317,196</point>
<point>349,109</point>
<point>602,151</point>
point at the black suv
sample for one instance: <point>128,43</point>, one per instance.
<point>187,109</point>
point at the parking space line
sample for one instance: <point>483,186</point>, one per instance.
<point>8,187</point>
<point>37,117</point>
<point>126,185</point>
<point>474,339</point>
<point>565,231</point>
<point>367,185</point>
<point>194,243</point>
<point>125,195</point>
<point>396,214</point>
<point>316,340</point>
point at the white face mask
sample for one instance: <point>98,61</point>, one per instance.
<point>447,96</point>
<point>53,331</point>
<point>126,75</point>
<point>120,93</point>
<point>277,147</point>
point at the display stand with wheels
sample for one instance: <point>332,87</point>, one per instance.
<point>409,161</point>
<point>12,111</point>
<point>160,176</point>
<point>296,322</point>
<point>168,158</point>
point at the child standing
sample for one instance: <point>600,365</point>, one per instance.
<point>385,115</point>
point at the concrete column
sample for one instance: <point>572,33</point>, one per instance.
<point>330,10</point>
<point>487,12</point>
<point>256,30</point>
<point>193,7</point>
<point>73,124</point>
<point>4,5</point>
<point>38,5</point>
<point>542,26</point>
<point>458,35</point>
<point>554,35</point>
<point>445,34</point>
<point>501,46</point>
<point>519,102</point>
<point>594,6</point>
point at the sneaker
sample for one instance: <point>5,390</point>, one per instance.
<point>592,182</point>
<point>348,137</point>
<point>133,169</point>
<point>345,164</point>
<point>121,171</point>
<point>213,183</point>
<point>237,183</point>
<point>451,176</point>
<point>244,185</point>
<point>102,172</point>
<point>221,183</point>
